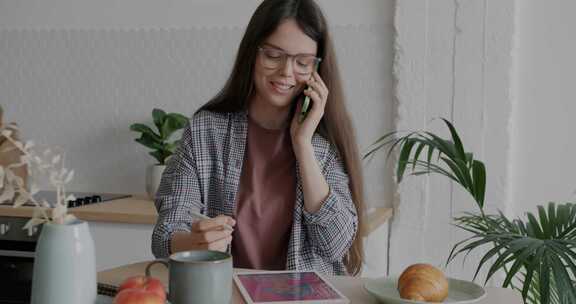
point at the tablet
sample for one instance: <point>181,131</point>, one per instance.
<point>281,287</point>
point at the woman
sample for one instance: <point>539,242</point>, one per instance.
<point>289,184</point>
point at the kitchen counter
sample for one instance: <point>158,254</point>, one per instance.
<point>114,222</point>
<point>140,210</point>
<point>133,218</point>
<point>131,210</point>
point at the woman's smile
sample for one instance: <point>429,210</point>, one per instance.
<point>282,88</point>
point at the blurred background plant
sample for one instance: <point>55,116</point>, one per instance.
<point>166,125</point>
<point>537,255</point>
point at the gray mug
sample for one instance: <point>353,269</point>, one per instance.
<point>198,276</point>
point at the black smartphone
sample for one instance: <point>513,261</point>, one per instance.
<point>306,102</point>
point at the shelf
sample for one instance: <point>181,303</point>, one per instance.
<point>132,210</point>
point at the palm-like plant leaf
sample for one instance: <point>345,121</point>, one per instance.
<point>453,160</point>
<point>536,254</point>
<point>537,250</point>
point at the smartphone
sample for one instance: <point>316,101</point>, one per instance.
<point>306,103</point>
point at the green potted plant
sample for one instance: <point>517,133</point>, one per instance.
<point>160,142</point>
<point>537,254</point>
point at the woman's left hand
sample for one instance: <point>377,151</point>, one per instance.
<point>302,132</point>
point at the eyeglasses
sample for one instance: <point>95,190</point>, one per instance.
<point>303,64</point>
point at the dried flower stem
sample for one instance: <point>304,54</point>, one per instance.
<point>59,176</point>
<point>22,149</point>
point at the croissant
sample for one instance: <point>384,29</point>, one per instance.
<point>423,282</point>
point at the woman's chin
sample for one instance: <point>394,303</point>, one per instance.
<point>281,103</point>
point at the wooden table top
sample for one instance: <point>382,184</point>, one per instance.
<point>351,287</point>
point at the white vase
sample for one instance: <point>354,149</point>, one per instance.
<point>153,176</point>
<point>64,265</point>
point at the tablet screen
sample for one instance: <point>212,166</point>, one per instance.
<point>277,287</point>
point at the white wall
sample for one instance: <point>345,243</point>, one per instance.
<point>77,73</point>
<point>139,14</point>
<point>544,141</point>
<point>502,71</point>
<point>454,60</point>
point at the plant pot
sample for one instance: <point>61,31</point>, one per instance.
<point>153,176</point>
<point>64,266</point>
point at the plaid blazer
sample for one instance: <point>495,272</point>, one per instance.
<point>204,174</point>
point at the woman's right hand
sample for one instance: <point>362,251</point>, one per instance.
<point>208,234</point>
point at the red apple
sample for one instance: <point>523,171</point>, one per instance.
<point>137,296</point>
<point>145,283</point>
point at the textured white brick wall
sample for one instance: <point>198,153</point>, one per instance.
<point>453,60</point>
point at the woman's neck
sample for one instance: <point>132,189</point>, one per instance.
<point>268,116</point>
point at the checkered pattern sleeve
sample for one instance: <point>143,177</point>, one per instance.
<point>332,228</point>
<point>178,193</point>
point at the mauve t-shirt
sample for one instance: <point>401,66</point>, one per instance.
<point>265,200</point>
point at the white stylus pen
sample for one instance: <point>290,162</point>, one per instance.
<point>205,217</point>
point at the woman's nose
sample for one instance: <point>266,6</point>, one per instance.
<point>287,69</point>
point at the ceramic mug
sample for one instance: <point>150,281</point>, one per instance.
<point>198,276</point>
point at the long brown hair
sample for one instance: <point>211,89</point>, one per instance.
<point>335,126</point>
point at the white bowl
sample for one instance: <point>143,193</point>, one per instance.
<point>459,292</point>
